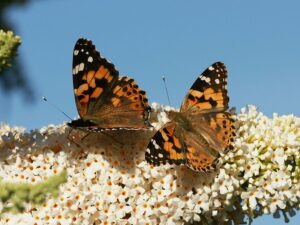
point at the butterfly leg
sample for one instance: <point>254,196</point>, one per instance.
<point>77,154</point>
<point>85,136</point>
<point>71,139</point>
<point>112,137</point>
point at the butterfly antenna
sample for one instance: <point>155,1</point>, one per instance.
<point>46,100</point>
<point>165,84</point>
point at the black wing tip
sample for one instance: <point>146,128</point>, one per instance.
<point>88,46</point>
<point>218,64</point>
<point>83,40</point>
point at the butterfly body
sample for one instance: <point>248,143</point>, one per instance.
<point>181,119</point>
<point>86,125</point>
<point>80,123</point>
<point>202,128</point>
<point>104,100</point>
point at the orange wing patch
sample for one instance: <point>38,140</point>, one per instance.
<point>128,92</point>
<point>199,159</point>
<point>225,130</point>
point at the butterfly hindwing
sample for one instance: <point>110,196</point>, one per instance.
<point>209,92</point>
<point>126,107</point>
<point>213,133</point>
<point>200,156</point>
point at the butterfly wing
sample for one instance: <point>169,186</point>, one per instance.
<point>201,130</point>
<point>205,108</point>
<point>200,156</point>
<point>211,134</point>
<point>93,77</point>
<point>174,145</point>
<point>166,146</point>
<point>103,98</point>
<point>209,92</point>
<point>125,107</point>
<point>217,128</point>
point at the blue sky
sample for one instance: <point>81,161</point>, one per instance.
<point>257,40</point>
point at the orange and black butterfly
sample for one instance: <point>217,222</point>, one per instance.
<point>104,100</point>
<point>201,129</point>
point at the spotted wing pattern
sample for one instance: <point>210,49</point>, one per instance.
<point>204,127</point>
<point>209,92</point>
<point>166,146</point>
<point>103,99</point>
<point>93,76</point>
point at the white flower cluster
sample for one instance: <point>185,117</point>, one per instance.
<point>109,181</point>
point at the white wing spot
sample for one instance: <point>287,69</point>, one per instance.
<point>148,150</point>
<point>82,50</point>
<point>81,67</point>
<point>76,52</point>
<point>160,155</point>
<point>87,53</point>
<point>217,81</point>
<point>156,146</point>
<point>90,59</point>
<point>207,80</point>
<point>211,68</point>
<point>76,69</point>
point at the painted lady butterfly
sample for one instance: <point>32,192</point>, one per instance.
<point>201,129</point>
<point>104,100</point>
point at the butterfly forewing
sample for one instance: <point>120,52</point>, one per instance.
<point>166,146</point>
<point>209,92</point>
<point>93,77</point>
